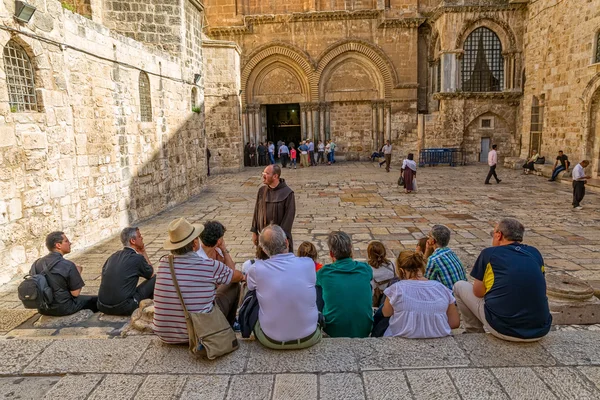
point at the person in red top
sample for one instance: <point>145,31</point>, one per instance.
<point>307,249</point>
<point>292,156</point>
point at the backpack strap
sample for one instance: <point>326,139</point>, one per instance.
<point>185,311</point>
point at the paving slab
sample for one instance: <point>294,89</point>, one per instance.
<point>476,384</point>
<point>207,387</point>
<point>73,387</point>
<point>397,353</point>
<point>341,386</point>
<point>164,387</point>
<point>432,384</point>
<point>386,385</point>
<point>567,383</point>
<point>485,350</point>
<point>89,356</point>
<point>117,387</point>
<point>162,358</point>
<point>523,383</point>
<point>10,319</point>
<point>573,347</point>
<point>250,387</point>
<point>330,355</point>
<point>46,322</point>
<point>26,388</point>
<point>295,387</point>
<point>16,354</point>
<point>592,374</point>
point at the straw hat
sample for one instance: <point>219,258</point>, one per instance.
<point>181,233</point>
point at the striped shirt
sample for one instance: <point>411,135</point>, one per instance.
<point>444,266</point>
<point>198,279</point>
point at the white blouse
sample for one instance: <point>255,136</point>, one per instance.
<point>410,164</point>
<point>419,309</point>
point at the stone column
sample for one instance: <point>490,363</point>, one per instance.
<point>388,121</point>
<point>322,121</point>
<point>244,126</point>
<point>250,120</point>
<point>257,124</point>
<point>449,63</point>
<point>374,126</point>
<point>309,122</point>
<point>302,121</point>
<point>315,121</point>
<point>380,124</point>
<point>328,121</point>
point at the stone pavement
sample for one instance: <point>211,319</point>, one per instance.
<point>564,365</point>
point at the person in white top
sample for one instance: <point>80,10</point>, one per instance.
<point>321,153</point>
<point>387,154</point>
<point>384,270</point>
<point>579,181</point>
<point>286,293</point>
<point>417,308</point>
<point>492,161</point>
<point>212,244</point>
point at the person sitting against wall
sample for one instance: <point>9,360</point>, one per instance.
<point>529,165</point>
<point>287,298</point>
<point>416,307</point>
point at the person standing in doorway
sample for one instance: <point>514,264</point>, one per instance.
<point>387,154</point>
<point>311,152</point>
<point>252,155</point>
<point>579,181</point>
<point>332,147</point>
<point>492,161</point>
<point>262,154</point>
<point>284,153</point>
<point>328,152</point>
<point>303,148</point>
<point>271,148</point>
<point>321,150</point>
<point>293,155</point>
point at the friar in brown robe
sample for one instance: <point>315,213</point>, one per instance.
<point>275,204</point>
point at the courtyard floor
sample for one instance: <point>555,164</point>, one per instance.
<point>88,360</point>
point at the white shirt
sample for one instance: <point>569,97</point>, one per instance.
<point>578,172</point>
<point>271,148</point>
<point>321,147</point>
<point>285,288</point>
<point>387,149</point>
<point>381,274</point>
<point>419,309</point>
<point>410,164</point>
<point>492,158</point>
<point>202,253</point>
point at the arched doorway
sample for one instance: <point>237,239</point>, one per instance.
<point>593,139</point>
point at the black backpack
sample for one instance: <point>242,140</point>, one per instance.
<point>34,291</point>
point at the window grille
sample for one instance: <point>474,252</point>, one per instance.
<point>486,123</point>
<point>483,64</point>
<point>19,79</point>
<point>537,119</point>
<point>145,98</point>
<point>597,55</point>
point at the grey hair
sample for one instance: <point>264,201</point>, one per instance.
<point>272,240</point>
<point>441,234</point>
<point>340,245</point>
<point>128,233</point>
<point>511,229</point>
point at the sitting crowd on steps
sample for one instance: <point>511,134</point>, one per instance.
<point>423,293</point>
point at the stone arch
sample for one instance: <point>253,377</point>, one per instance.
<point>289,58</point>
<point>277,80</point>
<point>367,51</point>
<point>500,28</point>
<point>351,76</point>
<point>591,128</point>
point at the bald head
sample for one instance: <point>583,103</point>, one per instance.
<point>273,240</point>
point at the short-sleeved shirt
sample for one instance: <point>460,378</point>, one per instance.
<point>420,309</point>
<point>198,279</point>
<point>563,160</point>
<point>284,149</point>
<point>578,172</point>
<point>271,148</point>
<point>445,266</point>
<point>120,276</point>
<point>515,299</point>
<point>311,146</point>
<point>64,278</point>
<point>346,289</point>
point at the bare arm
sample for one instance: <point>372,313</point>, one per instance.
<point>453,317</point>
<point>237,276</point>
<point>75,293</point>
<point>478,288</point>
<point>387,309</point>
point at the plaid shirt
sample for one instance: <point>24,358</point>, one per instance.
<point>444,266</point>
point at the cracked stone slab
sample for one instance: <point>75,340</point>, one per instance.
<point>485,350</point>
<point>17,353</point>
<point>89,356</point>
<point>386,385</point>
<point>476,384</point>
<point>341,386</point>
<point>117,387</point>
<point>250,387</point>
<point>164,387</point>
<point>329,355</point>
<point>573,347</point>
<point>73,387</point>
<point>26,388</point>
<point>162,358</point>
<point>592,373</point>
<point>398,353</point>
<point>432,384</point>
<point>207,387</point>
<point>47,322</point>
<point>11,319</point>
<point>523,383</point>
<point>567,383</point>
<point>295,387</point>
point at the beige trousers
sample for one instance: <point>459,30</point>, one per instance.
<point>472,311</point>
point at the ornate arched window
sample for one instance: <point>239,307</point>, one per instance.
<point>194,98</point>
<point>19,79</point>
<point>482,64</point>
<point>145,98</point>
<point>597,53</point>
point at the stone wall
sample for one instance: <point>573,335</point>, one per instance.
<point>85,163</point>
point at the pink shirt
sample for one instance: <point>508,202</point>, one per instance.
<point>293,153</point>
<point>492,158</point>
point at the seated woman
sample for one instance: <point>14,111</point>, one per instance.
<point>383,270</point>
<point>307,249</point>
<point>417,308</point>
<point>421,245</point>
<point>529,165</point>
<point>409,172</point>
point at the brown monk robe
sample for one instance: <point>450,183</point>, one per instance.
<point>275,205</point>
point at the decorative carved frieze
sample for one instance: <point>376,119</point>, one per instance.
<point>508,96</point>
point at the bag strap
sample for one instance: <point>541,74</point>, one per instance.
<point>185,311</point>
<point>383,282</point>
<point>46,271</point>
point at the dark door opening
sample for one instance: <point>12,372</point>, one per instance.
<point>283,123</point>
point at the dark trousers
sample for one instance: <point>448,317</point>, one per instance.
<point>312,157</point>
<point>529,166</point>
<point>380,323</point>
<point>492,173</point>
<point>578,192</point>
<point>227,299</point>
<point>321,158</point>
<point>262,159</point>
<point>145,290</point>
<point>79,303</point>
<point>284,159</point>
<point>557,171</point>
<point>388,161</point>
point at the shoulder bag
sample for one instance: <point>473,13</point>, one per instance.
<point>210,334</point>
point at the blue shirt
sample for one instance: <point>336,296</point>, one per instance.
<point>311,146</point>
<point>515,290</point>
<point>444,266</point>
<point>284,149</point>
<point>303,147</point>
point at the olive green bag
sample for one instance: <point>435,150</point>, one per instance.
<point>210,334</point>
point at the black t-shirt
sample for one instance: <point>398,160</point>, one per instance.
<point>120,276</point>
<point>563,160</point>
<point>64,277</point>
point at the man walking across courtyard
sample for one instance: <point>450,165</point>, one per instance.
<point>284,153</point>
<point>492,161</point>
<point>579,181</point>
<point>387,154</point>
<point>275,204</point>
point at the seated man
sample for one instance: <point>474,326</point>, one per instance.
<point>344,291</point>
<point>442,265</point>
<point>212,243</point>
<point>203,282</point>
<point>558,168</point>
<point>508,297</point>
<point>529,164</point>
<point>64,277</point>
<point>119,293</point>
<point>285,289</point>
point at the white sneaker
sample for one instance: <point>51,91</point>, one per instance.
<point>578,208</point>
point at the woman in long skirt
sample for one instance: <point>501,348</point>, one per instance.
<point>409,172</point>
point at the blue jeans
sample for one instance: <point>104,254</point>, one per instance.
<point>272,158</point>
<point>332,156</point>
<point>557,171</point>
